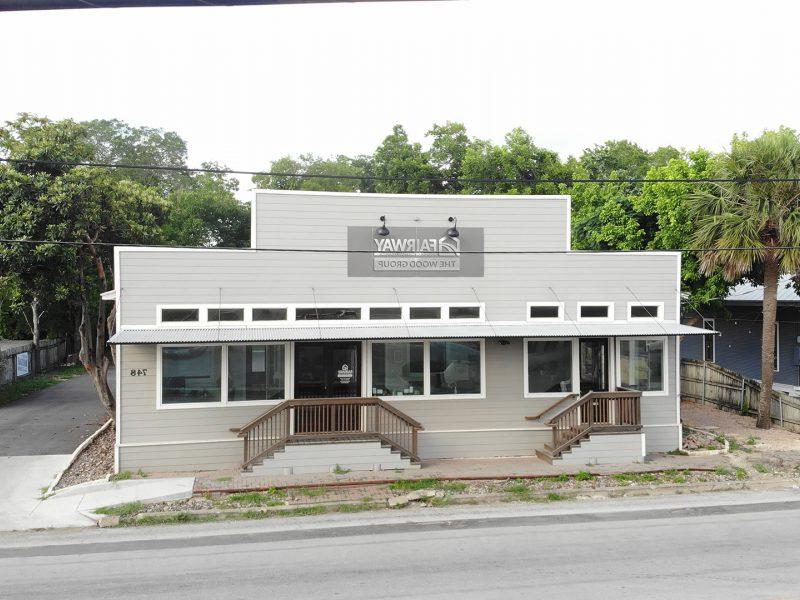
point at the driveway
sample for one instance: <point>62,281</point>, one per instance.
<point>51,421</point>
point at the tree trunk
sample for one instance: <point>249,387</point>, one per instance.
<point>35,314</point>
<point>769,312</point>
<point>95,354</point>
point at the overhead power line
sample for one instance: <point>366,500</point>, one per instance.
<point>403,178</point>
<point>348,251</point>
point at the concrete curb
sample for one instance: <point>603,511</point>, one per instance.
<point>534,496</point>
<point>75,455</point>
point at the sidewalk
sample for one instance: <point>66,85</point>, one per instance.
<point>25,476</point>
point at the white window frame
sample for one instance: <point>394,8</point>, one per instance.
<point>659,314</point>
<point>560,316</point>
<point>777,364</point>
<point>575,367</point>
<point>609,317</point>
<point>291,315</point>
<point>713,340</point>
<point>426,365</point>
<point>664,359</point>
<point>224,401</point>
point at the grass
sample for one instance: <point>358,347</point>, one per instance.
<point>121,510</point>
<point>740,473</point>
<point>734,445</point>
<point>339,470</point>
<point>751,441</point>
<point>518,487</point>
<point>636,477</point>
<point>252,499</point>
<point>141,474</point>
<point>584,476</point>
<point>553,497</point>
<point>723,471</point>
<point>23,387</point>
<point>410,485</point>
<point>224,479</point>
<point>311,492</point>
<point>121,476</point>
<point>354,508</point>
<point>760,468</point>
<point>678,452</point>
<point>454,487</point>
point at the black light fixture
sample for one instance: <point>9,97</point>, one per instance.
<point>383,231</point>
<point>453,231</point>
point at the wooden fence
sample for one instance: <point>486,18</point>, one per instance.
<point>16,362</point>
<point>709,382</point>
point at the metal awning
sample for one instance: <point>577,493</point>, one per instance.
<point>483,329</point>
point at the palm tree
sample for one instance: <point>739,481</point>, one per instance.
<point>754,227</point>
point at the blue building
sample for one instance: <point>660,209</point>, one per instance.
<point>738,345</point>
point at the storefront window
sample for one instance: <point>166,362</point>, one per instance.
<point>191,374</point>
<point>256,373</point>
<point>398,369</point>
<point>641,364</point>
<point>549,366</point>
<point>455,367</point>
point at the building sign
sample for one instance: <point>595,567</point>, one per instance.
<point>415,252</point>
<point>345,374</point>
<point>23,364</point>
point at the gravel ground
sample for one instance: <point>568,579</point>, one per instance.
<point>95,462</point>
<point>740,427</point>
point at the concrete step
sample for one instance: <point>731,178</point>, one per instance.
<point>324,457</point>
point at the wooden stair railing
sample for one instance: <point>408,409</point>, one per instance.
<point>574,418</point>
<point>336,419</point>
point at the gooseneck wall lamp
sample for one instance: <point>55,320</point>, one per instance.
<point>453,231</point>
<point>383,231</point>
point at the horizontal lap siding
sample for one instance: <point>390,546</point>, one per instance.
<point>181,457</point>
<point>510,281</point>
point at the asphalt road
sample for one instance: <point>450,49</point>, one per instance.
<point>678,548</point>
<point>51,421</point>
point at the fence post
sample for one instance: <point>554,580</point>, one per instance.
<point>741,397</point>
<point>704,382</point>
<point>780,407</point>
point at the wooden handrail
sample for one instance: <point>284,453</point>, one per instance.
<point>328,418</point>
<point>607,411</point>
<point>551,407</point>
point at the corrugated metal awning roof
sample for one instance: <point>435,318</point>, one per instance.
<point>483,329</point>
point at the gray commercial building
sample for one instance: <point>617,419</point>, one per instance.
<point>374,331</point>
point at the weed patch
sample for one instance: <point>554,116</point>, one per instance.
<point>454,487</point>
<point>121,476</point>
<point>678,452</point>
<point>252,499</point>
<point>121,510</point>
<point>410,485</point>
<point>340,470</point>
<point>354,508</point>
<point>723,471</point>
<point>761,468</point>
<point>584,476</point>
<point>311,492</point>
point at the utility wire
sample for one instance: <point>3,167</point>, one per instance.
<point>347,251</point>
<point>403,178</point>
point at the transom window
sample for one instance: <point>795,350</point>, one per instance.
<point>425,312</point>
<point>177,315</point>
<point>226,314</point>
<point>465,312</point>
<point>385,312</point>
<point>545,311</point>
<point>645,310</point>
<point>598,311</point>
<point>269,314</point>
<point>327,314</point>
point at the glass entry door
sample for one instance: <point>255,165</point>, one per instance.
<point>327,369</point>
<point>593,361</point>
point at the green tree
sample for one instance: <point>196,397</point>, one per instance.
<point>762,215</point>
<point>340,174</point>
<point>76,204</point>
<point>448,148</point>
<point>397,157</point>
<point>115,141</point>
<point>207,213</point>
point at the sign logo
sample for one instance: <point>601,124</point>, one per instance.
<point>417,254</point>
<point>345,374</point>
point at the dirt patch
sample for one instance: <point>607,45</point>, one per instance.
<point>95,462</point>
<point>741,427</point>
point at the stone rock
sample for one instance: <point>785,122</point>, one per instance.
<point>420,495</point>
<point>108,521</point>
<point>396,501</point>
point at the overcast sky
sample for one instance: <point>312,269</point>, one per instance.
<point>245,85</point>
